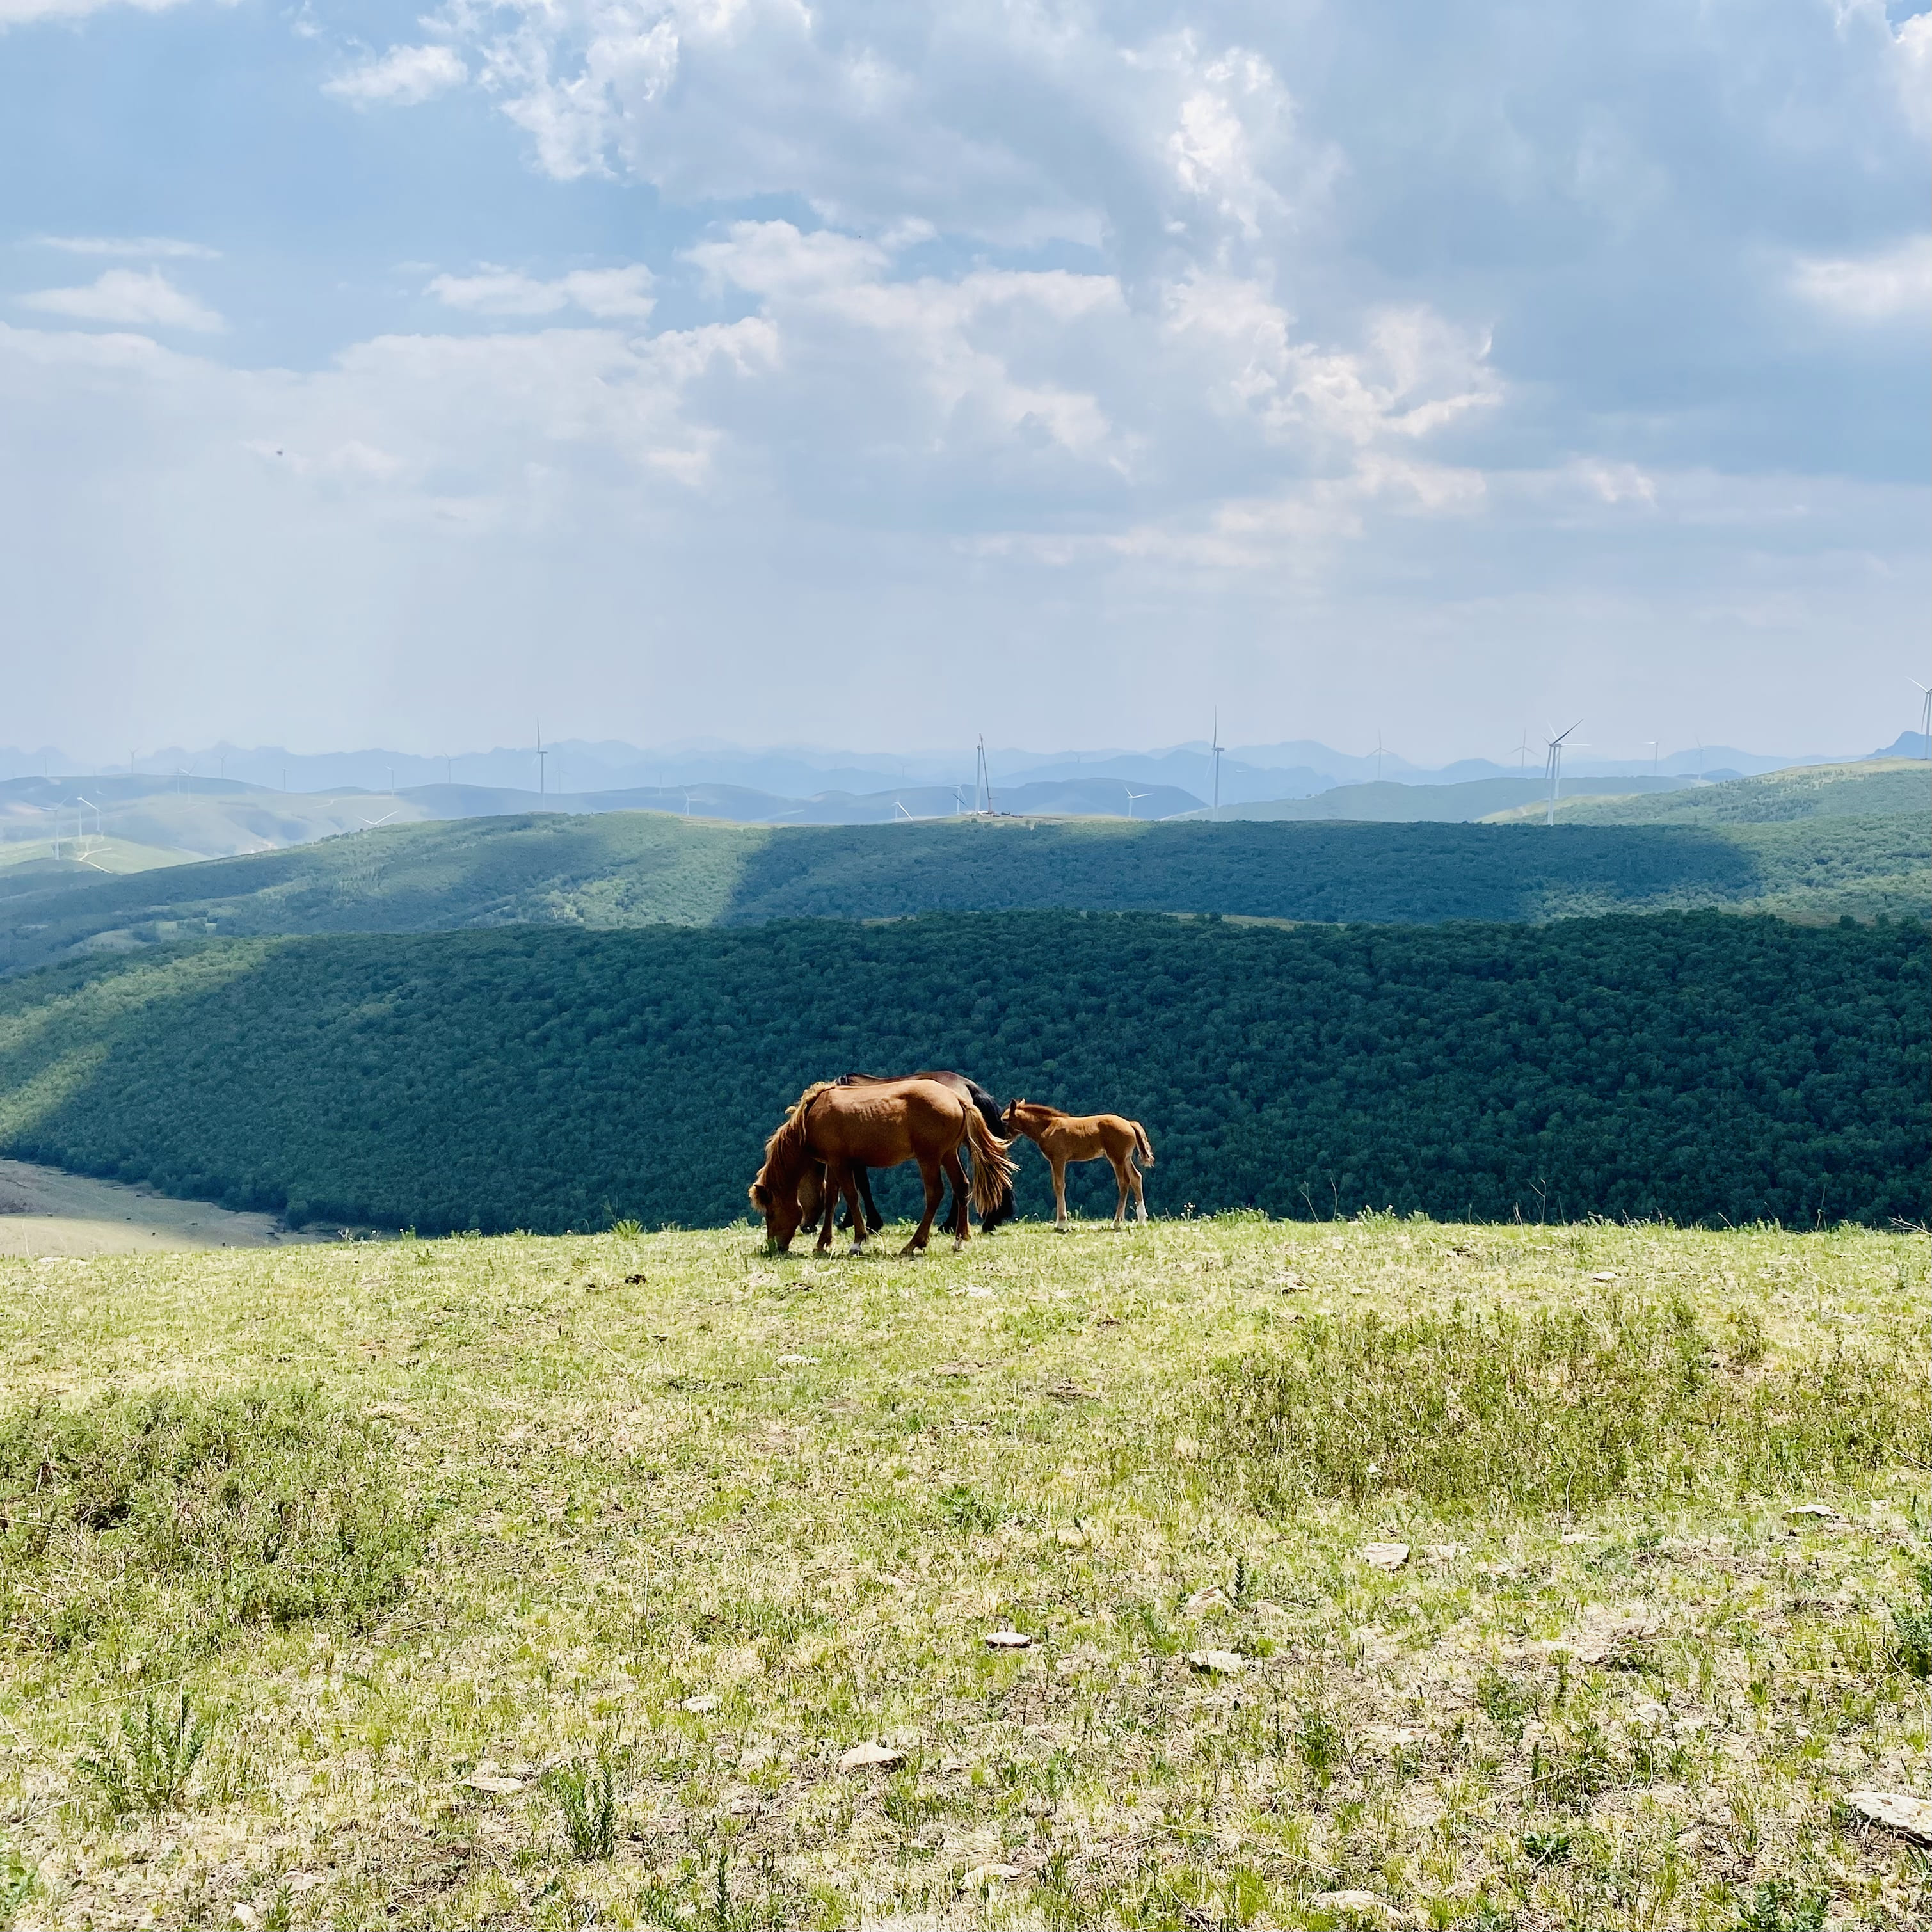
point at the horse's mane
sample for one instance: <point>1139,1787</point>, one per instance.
<point>788,1140</point>
<point>1041,1107</point>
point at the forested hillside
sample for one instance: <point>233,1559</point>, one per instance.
<point>642,868</point>
<point>1698,1067</point>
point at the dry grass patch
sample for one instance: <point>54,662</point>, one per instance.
<point>546,1583</point>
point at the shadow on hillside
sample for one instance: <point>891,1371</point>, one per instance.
<point>1402,873</point>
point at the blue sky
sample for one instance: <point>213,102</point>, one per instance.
<point>878,374</point>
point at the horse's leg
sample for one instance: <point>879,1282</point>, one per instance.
<point>875,1220</point>
<point>962,1228</point>
<point>928,1172</point>
<point>855,1211</point>
<point>836,1180</point>
<point>1058,1164</point>
<point>1121,1170</point>
<point>1140,1193</point>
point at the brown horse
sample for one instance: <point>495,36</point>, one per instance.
<point>812,1189</point>
<point>843,1127</point>
<point>1065,1138</point>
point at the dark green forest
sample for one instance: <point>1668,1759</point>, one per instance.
<point>1699,1067</point>
<point>624,869</point>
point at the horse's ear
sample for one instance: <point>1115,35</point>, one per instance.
<point>760,1199</point>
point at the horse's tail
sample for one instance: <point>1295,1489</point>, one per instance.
<point>1146,1146</point>
<point>992,1172</point>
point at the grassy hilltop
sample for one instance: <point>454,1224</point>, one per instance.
<point>1872,787</point>
<point>434,1537</point>
<point>1697,1067</point>
<point>642,868</point>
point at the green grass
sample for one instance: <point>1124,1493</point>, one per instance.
<point>700,1532</point>
<point>621,869</point>
<point>174,1518</point>
<point>1692,1067</point>
<point>1567,1409</point>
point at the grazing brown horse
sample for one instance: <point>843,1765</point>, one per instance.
<point>1065,1138</point>
<point>843,1127</point>
<point>812,1190</point>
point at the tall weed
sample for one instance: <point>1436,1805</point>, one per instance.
<point>1558,1409</point>
<point>148,1767</point>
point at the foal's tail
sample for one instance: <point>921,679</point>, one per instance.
<point>992,1172</point>
<point>1146,1145</point>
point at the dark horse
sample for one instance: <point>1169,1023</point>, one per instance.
<point>969,1090</point>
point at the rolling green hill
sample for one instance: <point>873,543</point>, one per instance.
<point>621,869</point>
<point>1387,802</point>
<point>1871,788</point>
<point>1694,1067</point>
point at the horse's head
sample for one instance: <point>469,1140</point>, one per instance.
<point>780,1208</point>
<point>775,1193</point>
<point>1010,1119</point>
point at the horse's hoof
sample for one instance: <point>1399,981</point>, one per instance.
<point>911,1251</point>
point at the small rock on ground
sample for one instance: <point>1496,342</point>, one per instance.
<point>1008,1640</point>
<point>871,1755</point>
<point>1384,1555</point>
<point>1359,1904</point>
<point>1897,1810</point>
<point>698,1706</point>
<point>980,1876</point>
<point>1217,1662</point>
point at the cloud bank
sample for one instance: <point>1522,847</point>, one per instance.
<point>1377,360</point>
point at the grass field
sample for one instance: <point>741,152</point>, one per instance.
<point>461,1548</point>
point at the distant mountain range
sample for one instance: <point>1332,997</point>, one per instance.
<point>793,776</point>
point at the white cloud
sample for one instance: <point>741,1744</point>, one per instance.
<point>150,248</point>
<point>1873,288</point>
<point>609,294</point>
<point>129,296</point>
<point>403,77</point>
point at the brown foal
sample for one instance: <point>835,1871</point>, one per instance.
<point>1065,1138</point>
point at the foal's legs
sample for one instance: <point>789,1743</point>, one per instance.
<point>928,1172</point>
<point>1140,1195</point>
<point>1059,1166</point>
<point>1123,1166</point>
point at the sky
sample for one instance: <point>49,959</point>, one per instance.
<point>876,375</point>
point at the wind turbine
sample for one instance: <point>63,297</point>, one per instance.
<point>983,776</point>
<point>1379,757</point>
<point>1552,770</point>
<point>1522,755</point>
<point>1132,795</point>
<point>901,809</point>
<point>1216,748</point>
<point>542,754</point>
<point>372,823</point>
<point>1924,713</point>
<point>1653,744</point>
